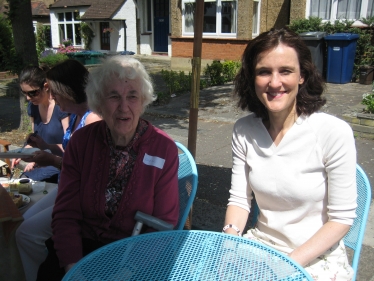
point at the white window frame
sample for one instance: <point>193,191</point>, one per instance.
<point>255,33</point>
<point>65,22</point>
<point>334,10</point>
<point>218,32</point>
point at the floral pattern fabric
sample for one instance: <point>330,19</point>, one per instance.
<point>122,161</point>
<point>333,265</point>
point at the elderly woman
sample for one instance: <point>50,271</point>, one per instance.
<point>111,169</point>
<point>299,163</point>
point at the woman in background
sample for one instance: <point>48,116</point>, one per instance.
<point>48,121</point>
<point>67,82</point>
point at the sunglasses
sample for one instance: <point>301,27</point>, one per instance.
<point>31,94</point>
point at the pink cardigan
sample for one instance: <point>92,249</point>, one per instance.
<point>79,208</point>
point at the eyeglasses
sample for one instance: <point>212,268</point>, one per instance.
<point>31,94</point>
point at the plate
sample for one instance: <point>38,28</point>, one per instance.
<point>25,201</point>
<point>16,154</point>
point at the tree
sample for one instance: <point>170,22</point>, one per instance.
<point>20,17</point>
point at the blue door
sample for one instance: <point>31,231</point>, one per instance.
<point>161,25</point>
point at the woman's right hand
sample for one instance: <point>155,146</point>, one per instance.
<point>29,167</point>
<point>15,162</point>
<point>37,141</point>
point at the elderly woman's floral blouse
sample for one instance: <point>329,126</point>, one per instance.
<point>122,161</point>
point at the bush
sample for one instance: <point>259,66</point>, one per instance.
<point>40,39</point>
<point>219,73</point>
<point>214,73</point>
<point>368,100</point>
<point>87,35</point>
<point>8,59</point>
<point>53,59</point>
<point>176,82</point>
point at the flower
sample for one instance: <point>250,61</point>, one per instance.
<point>67,42</point>
<point>108,29</point>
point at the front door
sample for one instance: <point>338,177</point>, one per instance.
<point>104,36</point>
<point>161,25</point>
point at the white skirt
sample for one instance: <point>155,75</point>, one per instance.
<point>332,265</point>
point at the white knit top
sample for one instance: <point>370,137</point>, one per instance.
<point>305,181</point>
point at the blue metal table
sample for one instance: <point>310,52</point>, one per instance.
<point>186,255</point>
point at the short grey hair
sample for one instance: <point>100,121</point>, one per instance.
<point>120,66</point>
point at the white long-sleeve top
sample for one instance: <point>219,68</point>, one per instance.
<point>305,181</point>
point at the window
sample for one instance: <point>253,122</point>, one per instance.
<point>342,9</point>
<point>149,15</point>
<point>69,27</point>
<point>256,18</point>
<point>220,17</point>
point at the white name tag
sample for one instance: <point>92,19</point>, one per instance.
<point>153,161</point>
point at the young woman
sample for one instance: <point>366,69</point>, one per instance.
<point>47,119</point>
<point>299,163</point>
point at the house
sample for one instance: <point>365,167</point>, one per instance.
<point>166,26</point>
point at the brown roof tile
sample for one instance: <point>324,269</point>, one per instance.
<point>103,9</point>
<point>39,9</point>
<point>71,3</point>
<point>99,9</point>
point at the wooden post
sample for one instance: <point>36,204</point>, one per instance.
<point>195,84</point>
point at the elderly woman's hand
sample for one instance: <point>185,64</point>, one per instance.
<point>42,158</point>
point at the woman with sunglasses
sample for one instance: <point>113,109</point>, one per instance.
<point>67,81</point>
<point>46,118</point>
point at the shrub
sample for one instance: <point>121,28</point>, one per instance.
<point>40,39</point>
<point>214,73</point>
<point>368,100</point>
<point>230,69</point>
<point>8,58</point>
<point>87,35</point>
<point>53,59</point>
<point>176,82</point>
<point>66,49</point>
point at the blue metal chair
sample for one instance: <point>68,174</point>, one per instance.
<point>187,184</point>
<point>353,239</point>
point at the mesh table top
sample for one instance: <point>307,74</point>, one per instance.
<point>186,255</point>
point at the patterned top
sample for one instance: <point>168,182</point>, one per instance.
<point>122,161</point>
<point>69,130</point>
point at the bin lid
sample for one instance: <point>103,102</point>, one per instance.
<point>342,36</point>
<point>313,35</point>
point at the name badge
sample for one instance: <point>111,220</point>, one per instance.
<point>153,161</point>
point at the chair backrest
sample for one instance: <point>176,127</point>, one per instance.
<point>353,239</point>
<point>187,183</point>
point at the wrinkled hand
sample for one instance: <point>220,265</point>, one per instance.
<point>36,141</point>
<point>68,267</point>
<point>41,158</point>
<point>29,167</point>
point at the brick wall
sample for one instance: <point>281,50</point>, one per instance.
<point>212,49</point>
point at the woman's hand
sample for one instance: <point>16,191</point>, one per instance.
<point>36,141</point>
<point>42,158</point>
<point>15,162</point>
<point>68,267</point>
<point>29,167</point>
<point>328,235</point>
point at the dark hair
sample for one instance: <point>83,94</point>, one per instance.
<point>32,76</point>
<point>68,79</point>
<point>308,99</point>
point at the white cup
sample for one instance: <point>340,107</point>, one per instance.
<point>38,186</point>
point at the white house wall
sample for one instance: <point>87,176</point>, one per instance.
<point>128,13</point>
